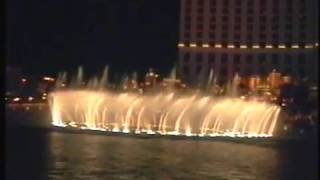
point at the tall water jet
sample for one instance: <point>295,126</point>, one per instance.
<point>61,80</point>
<point>173,73</point>
<point>135,76</point>
<point>210,79</point>
<point>232,89</point>
<point>163,113</point>
<point>79,77</point>
<point>104,78</point>
<point>124,82</point>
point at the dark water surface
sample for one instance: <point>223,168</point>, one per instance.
<point>38,153</point>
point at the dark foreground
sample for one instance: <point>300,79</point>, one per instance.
<point>40,153</point>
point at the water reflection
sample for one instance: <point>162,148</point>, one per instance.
<point>35,153</point>
<point>79,156</point>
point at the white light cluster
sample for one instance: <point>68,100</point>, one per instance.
<point>268,46</point>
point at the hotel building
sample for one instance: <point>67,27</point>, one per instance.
<point>248,37</point>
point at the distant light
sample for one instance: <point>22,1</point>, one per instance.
<point>317,44</point>
<point>230,46</point>
<point>16,99</point>
<point>44,94</point>
<point>218,46</point>
<point>205,45</point>
<point>282,46</point>
<point>255,46</point>
<point>180,45</point>
<point>268,46</point>
<point>24,80</point>
<point>193,45</point>
<point>30,98</point>
<point>295,46</point>
<point>43,97</point>
<point>243,46</point>
<point>48,79</point>
<point>308,46</point>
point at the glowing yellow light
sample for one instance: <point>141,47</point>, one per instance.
<point>205,45</point>
<point>268,46</point>
<point>16,99</point>
<point>281,46</point>
<point>193,45</point>
<point>218,46</point>
<point>180,45</point>
<point>317,44</point>
<point>230,46</point>
<point>243,46</point>
<point>295,46</point>
<point>255,46</point>
<point>48,79</point>
<point>43,97</point>
<point>308,46</point>
<point>30,98</point>
<point>44,94</point>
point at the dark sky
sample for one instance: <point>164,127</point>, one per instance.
<point>48,36</point>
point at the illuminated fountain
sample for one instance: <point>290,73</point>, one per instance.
<point>96,108</point>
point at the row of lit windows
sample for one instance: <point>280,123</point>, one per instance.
<point>247,70</point>
<point>250,11</point>
<point>249,36</point>
<point>235,58</point>
<point>249,20</point>
<point>262,6</point>
<point>232,46</point>
<point>249,23</point>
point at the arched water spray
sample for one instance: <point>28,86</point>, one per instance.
<point>97,108</point>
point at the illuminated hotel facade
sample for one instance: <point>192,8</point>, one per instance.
<point>248,37</point>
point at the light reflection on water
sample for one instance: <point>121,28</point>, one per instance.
<point>33,153</point>
<point>87,156</point>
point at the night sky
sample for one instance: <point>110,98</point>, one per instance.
<point>48,36</point>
